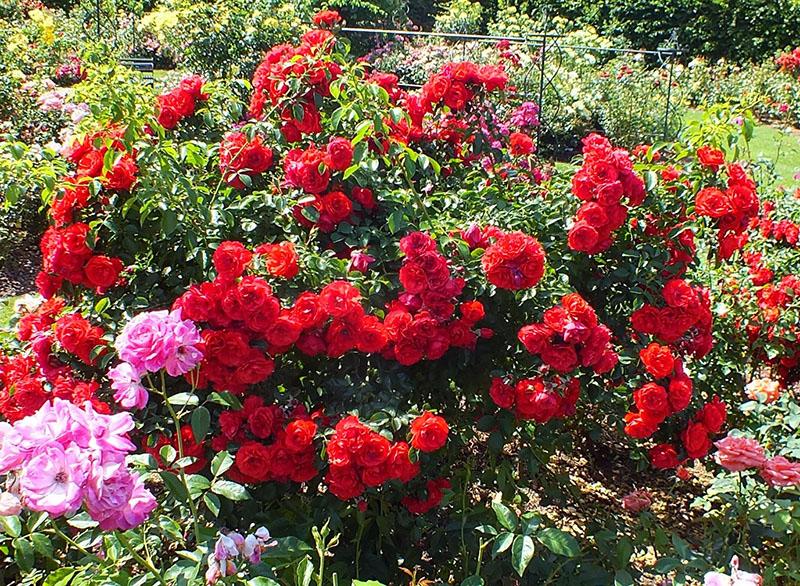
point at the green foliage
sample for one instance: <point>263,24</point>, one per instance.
<point>459,16</point>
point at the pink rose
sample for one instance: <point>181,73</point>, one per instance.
<point>739,453</point>
<point>637,501</point>
<point>778,471</point>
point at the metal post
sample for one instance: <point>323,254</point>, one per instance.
<point>97,19</point>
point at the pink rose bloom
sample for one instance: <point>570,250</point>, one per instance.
<point>127,384</point>
<point>9,504</point>
<point>739,453</point>
<point>117,499</point>
<point>737,577</point>
<point>778,471</point>
<point>637,501</point>
<point>52,480</point>
<point>360,261</point>
<point>154,340</point>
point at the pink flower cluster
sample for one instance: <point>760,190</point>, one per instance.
<point>65,456</point>
<point>232,545</point>
<point>740,453</point>
<point>736,578</point>
<point>150,342</point>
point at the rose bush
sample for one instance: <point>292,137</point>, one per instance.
<point>372,320</point>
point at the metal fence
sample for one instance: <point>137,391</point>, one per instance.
<point>540,80</point>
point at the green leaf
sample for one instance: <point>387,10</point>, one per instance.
<point>182,399</point>
<point>521,553</point>
<point>230,490</point>
<point>221,463</point>
<point>169,221</point>
<point>304,572</point>
<point>201,421</point>
<point>82,521</point>
<point>101,305</point>
<point>212,502</point>
<point>175,486</point>
<point>623,553</point>
<point>505,516</point>
<point>11,526</point>
<point>665,565</point>
<point>502,543</point>
<point>472,581</point>
<point>42,545</point>
<point>262,581</point>
<point>559,542</point>
<point>225,399</point>
<point>23,554</point>
<point>61,577</point>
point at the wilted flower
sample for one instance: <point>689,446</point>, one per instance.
<point>737,577</point>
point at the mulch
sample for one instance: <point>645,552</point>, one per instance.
<point>19,268</point>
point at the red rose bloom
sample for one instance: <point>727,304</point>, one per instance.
<point>520,144</point>
<point>652,400</point>
<point>710,157</point>
<point>326,18</point>
<point>340,153</point>
<point>663,457</point>
<point>230,259</point>
<point>515,261</point>
<point>429,432</point>
<point>280,259</point>
<point>695,440</point>
<point>502,393</point>
<point>657,360</point>
<point>254,460</point>
<point>102,272</point>
<point>300,435</point>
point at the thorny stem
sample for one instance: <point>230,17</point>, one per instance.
<point>71,541</point>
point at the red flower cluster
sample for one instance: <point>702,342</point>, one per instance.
<point>420,324</point>
<point>655,402</point>
<point>66,246</point>
<point>685,321</point>
<point>247,325</point>
<point>789,61</point>
<point>604,179</point>
<point>537,399</point>
<point>514,261</point>
<point>180,102</point>
<point>240,157</point>
<point>733,209</point>
<point>360,457</point>
<point>433,488</point>
<point>456,84</point>
<point>707,422</point>
<point>782,230</point>
<point>520,144</point>
<point>310,64</point>
<point>79,337</point>
<point>570,336</point>
<point>290,454</point>
<point>191,449</point>
<point>27,382</point>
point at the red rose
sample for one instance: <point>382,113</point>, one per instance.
<point>695,440</point>
<point>263,421</point>
<point>254,369</point>
<point>472,311</point>
<point>344,482</point>
<point>657,360</point>
<point>326,17</point>
<point>680,393</point>
<point>337,206</point>
<point>713,415</point>
<point>300,435</point>
<point>532,401</point>
<point>281,259</point>
<point>340,298</point>
<point>340,153</point>
<point>502,393</point>
<point>123,174</point>
<point>520,144</point>
<point>230,422</point>
<point>253,460</point>
<point>710,157</point>
<point>712,202</point>
<point>429,432</point>
<point>583,237</point>
<point>652,400</point>
<point>230,259</point>
<point>679,293</point>
<point>374,450</point>
<point>102,272</point>
<point>561,357</point>
<point>639,425</point>
<point>515,261</point>
<point>663,457</point>
<point>285,331</point>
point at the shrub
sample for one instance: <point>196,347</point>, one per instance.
<point>373,313</point>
